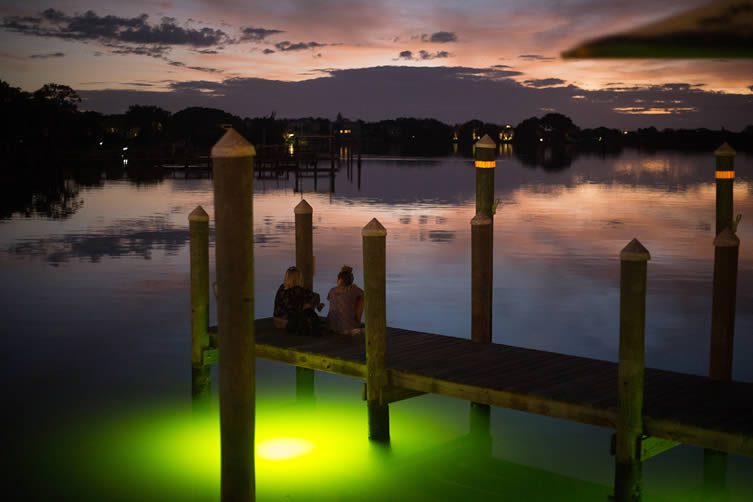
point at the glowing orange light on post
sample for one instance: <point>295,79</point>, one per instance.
<point>485,164</point>
<point>725,175</point>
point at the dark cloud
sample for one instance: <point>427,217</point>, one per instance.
<point>423,55</point>
<point>138,84</point>
<point>536,57</point>
<point>113,29</point>
<point>440,37</point>
<point>544,82</point>
<point>205,69</point>
<point>450,94</point>
<point>751,88</point>
<point>208,51</point>
<point>268,51</point>
<point>257,34</point>
<point>287,46</point>
<point>435,55</point>
<point>155,51</point>
<point>501,66</point>
<point>46,56</point>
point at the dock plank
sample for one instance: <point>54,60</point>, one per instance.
<point>691,409</point>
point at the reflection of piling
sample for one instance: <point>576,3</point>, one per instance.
<point>304,260</point>
<point>725,180</point>
<point>726,253</point>
<point>628,468</point>
<point>482,251</point>
<point>233,197</point>
<point>201,376</point>
<point>374,278</point>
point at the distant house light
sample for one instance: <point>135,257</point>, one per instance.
<point>101,143</point>
<point>125,148</point>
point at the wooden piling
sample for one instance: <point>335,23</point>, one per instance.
<point>481,278</point>
<point>725,180</point>
<point>198,231</point>
<point>233,201</point>
<point>726,252</point>
<point>628,465</point>
<point>485,162</point>
<point>304,260</point>
<point>482,252</point>
<point>374,276</point>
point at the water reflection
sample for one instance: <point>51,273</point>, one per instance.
<point>126,238</point>
<point>116,308</point>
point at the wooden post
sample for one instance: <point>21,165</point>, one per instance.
<point>201,375</point>
<point>482,251</point>
<point>723,304</point>
<point>233,198</point>
<point>726,252</point>
<point>304,260</point>
<point>374,277</point>
<point>725,180</point>
<point>727,246</point>
<point>481,278</point>
<point>628,468</point>
<point>485,162</point>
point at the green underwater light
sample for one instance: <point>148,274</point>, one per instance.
<point>283,448</point>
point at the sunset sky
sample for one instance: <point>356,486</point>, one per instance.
<point>451,60</point>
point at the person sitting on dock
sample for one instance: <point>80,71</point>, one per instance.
<point>294,305</point>
<point>345,304</point>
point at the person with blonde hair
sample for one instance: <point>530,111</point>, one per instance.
<point>294,305</point>
<point>345,304</point>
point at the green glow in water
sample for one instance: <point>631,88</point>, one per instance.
<point>302,453</point>
<point>283,448</point>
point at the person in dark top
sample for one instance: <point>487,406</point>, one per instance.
<point>294,305</point>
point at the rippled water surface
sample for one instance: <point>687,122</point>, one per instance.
<point>98,347</point>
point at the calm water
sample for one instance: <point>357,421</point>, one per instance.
<point>97,337</point>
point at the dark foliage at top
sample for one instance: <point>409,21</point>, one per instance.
<point>44,131</point>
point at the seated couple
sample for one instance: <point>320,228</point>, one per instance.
<point>294,305</point>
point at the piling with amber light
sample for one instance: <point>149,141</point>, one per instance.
<point>232,158</point>
<point>628,465</point>
<point>725,180</point>
<point>304,260</point>
<point>482,244</point>
<point>375,278</point>
<point>485,163</point>
<point>198,231</point>
<point>726,254</point>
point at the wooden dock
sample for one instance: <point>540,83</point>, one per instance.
<point>682,408</point>
<point>650,410</point>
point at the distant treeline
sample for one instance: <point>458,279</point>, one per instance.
<point>46,124</point>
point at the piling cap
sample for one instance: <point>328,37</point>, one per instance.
<point>198,214</point>
<point>480,219</point>
<point>374,229</point>
<point>303,207</point>
<point>726,239</point>
<point>634,251</point>
<point>486,142</point>
<point>725,151</point>
<point>232,145</point>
